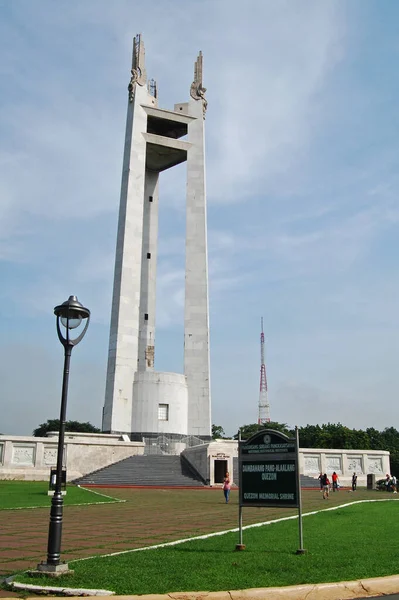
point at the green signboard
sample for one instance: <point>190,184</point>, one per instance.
<point>269,475</point>
<point>268,468</point>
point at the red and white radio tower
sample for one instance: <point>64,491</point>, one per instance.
<point>264,406</point>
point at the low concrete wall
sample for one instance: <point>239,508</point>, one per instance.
<point>31,458</point>
<point>312,461</point>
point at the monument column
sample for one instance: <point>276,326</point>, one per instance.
<point>140,401</point>
<point>148,274</point>
<point>124,331</point>
<point>196,319</point>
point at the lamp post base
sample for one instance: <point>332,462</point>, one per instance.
<point>52,570</point>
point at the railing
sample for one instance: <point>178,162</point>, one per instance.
<point>164,444</point>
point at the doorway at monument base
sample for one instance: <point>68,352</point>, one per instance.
<point>210,459</point>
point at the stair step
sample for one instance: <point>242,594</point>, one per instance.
<point>154,470</point>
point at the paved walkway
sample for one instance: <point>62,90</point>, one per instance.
<point>148,517</point>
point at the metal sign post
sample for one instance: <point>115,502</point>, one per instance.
<point>301,549</point>
<point>240,545</point>
<point>269,474</point>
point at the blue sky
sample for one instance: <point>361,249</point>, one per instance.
<point>302,171</point>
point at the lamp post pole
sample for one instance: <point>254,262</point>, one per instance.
<point>57,501</point>
<point>70,314</point>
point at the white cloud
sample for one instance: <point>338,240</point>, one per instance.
<point>268,105</point>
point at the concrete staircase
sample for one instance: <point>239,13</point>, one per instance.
<point>159,471</point>
<point>154,470</point>
<point>309,482</point>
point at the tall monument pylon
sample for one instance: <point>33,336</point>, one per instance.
<point>139,400</point>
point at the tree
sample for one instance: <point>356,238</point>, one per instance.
<point>332,435</point>
<point>217,432</point>
<point>54,425</point>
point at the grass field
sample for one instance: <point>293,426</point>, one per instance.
<point>32,494</point>
<point>357,541</point>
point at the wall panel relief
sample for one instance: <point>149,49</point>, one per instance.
<point>334,463</point>
<point>312,464</point>
<point>23,455</point>
<point>50,456</point>
<point>355,464</point>
<point>374,465</point>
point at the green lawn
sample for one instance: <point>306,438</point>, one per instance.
<point>357,541</point>
<point>31,494</point>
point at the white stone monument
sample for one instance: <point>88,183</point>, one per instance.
<point>138,399</point>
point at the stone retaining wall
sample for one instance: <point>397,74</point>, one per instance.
<point>31,458</point>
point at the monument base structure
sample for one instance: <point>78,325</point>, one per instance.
<point>212,461</point>
<point>161,401</point>
<point>138,399</point>
<point>31,458</point>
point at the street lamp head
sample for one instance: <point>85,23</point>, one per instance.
<point>70,314</point>
<point>71,323</point>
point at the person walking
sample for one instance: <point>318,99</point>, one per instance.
<point>226,487</point>
<point>335,480</point>
<point>326,486</point>
<point>394,484</point>
<point>354,482</point>
<point>321,481</point>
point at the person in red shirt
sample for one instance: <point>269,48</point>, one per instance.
<point>334,478</point>
<point>226,487</point>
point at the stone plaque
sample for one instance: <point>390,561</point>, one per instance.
<point>50,456</point>
<point>334,463</point>
<point>355,464</point>
<point>23,455</point>
<point>312,464</point>
<point>375,465</point>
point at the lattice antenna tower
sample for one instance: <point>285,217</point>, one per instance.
<point>264,406</point>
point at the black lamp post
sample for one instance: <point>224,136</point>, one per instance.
<point>70,315</point>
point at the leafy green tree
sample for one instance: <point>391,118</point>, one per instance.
<point>332,435</point>
<point>390,441</point>
<point>54,425</point>
<point>309,436</point>
<point>375,438</point>
<point>217,432</point>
